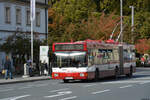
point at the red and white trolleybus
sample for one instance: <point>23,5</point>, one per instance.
<point>92,59</point>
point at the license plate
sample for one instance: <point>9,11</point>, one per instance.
<point>68,77</point>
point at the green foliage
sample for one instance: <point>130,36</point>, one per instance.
<point>138,63</point>
<point>20,45</point>
<point>96,19</point>
<point>75,10</point>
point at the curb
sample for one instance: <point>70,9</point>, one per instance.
<point>148,68</point>
<point>24,80</point>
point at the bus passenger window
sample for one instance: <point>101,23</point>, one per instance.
<point>90,58</point>
<point>105,55</point>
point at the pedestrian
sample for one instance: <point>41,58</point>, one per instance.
<point>29,64</point>
<point>8,68</point>
<point>30,70</point>
<point>41,68</point>
<point>45,68</point>
<point>142,61</point>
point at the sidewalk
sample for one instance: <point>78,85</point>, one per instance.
<point>20,79</point>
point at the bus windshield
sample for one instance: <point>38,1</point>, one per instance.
<point>70,59</point>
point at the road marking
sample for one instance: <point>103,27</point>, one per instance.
<point>25,87</point>
<point>5,90</point>
<point>144,83</point>
<point>143,78</point>
<point>15,98</point>
<point>68,98</point>
<point>101,91</point>
<point>131,81</point>
<point>65,92</point>
<point>51,96</point>
<point>90,85</point>
<point>125,86</point>
<point>59,90</point>
<point>59,94</point>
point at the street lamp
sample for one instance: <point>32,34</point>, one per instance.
<point>121,14</point>
<point>132,24</point>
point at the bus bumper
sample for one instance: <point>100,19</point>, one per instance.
<point>70,76</point>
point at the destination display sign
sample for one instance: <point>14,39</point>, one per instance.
<point>69,47</point>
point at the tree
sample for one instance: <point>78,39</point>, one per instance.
<point>143,46</point>
<point>75,10</point>
<point>19,44</point>
<point>95,19</point>
<point>95,27</point>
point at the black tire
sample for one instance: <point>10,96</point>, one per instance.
<point>131,72</point>
<point>96,75</point>
<point>65,81</point>
<point>116,73</point>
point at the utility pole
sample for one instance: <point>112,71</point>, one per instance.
<point>46,23</point>
<point>121,47</point>
<point>32,18</point>
<point>121,14</point>
<point>132,24</point>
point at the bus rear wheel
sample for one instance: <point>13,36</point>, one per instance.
<point>116,73</point>
<point>96,75</point>
<point>130,73</point>
<point>65,81</point>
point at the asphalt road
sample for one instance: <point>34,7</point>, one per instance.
<point>136,88</point>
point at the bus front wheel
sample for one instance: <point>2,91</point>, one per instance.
<point>130,73</point>
<point>66,81</point>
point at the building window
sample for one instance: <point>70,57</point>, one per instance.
<point>38,19</point>
<point>7,15</point>
<point>18,16</point>
<point>28,17</point>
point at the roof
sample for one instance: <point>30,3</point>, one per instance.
<point>100,43</point>
<point>42,3</point>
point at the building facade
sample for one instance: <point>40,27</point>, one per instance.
<point>15,17</point>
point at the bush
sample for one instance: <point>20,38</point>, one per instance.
<point>138,63</point>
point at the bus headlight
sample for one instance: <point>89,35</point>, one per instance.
<point>55,75</point>
<point>81,74</point>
